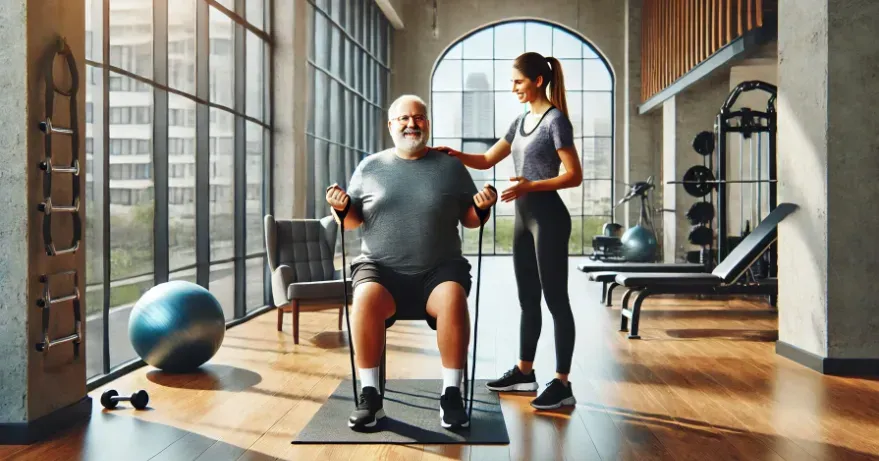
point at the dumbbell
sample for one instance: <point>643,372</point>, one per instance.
<point>109,399</point>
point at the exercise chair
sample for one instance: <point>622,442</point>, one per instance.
<point>723,280</point>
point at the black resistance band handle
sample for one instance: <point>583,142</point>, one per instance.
<point>343,212</point>
<point>479,211</point>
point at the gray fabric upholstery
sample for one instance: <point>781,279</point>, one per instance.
<point>326,289</point>
<point>300,254</point>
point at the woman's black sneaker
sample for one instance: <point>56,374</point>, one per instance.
<point>514,380</point>
<point>369,409</point>
<point>452,412</point>
<point>554,396</point>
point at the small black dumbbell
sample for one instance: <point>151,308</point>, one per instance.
<point>109,399</point>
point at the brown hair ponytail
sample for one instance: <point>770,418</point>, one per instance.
<point>557,86</point>
<point>534,65</point>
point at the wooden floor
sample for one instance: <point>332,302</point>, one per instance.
<point>703,383</point>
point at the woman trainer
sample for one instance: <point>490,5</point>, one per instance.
<point>540,141</point>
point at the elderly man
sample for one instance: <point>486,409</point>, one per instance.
<point>408,201</point>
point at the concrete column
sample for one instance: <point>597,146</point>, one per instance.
<point>292,93</point>
<point>827,164</point>
<point>40,392</point>
<point>684,116</point>
<point>669,191</point>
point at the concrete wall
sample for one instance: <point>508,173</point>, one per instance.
<point>34,384</point>
<point>683,116</point>
<point>14,208</point>
<point>604,23</point>
<point>828,252</point>
<point>292,90</point>
<point>802,172</point>
<point>640,156</point>
<point>852,147</point>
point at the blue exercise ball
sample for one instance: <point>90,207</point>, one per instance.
<point>177,326</point>
<point>639,244</point>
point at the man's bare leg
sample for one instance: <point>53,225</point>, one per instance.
<point>448,304</point>
<point>372,305</point>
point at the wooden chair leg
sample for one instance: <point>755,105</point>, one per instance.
<point>280,317</point>
<point>295,305</point>
<point>341,313</point>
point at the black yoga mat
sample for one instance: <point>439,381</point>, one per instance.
<point>412,417</point>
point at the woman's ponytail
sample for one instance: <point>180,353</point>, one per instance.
<point>557,85</point>
<point>534,65</point>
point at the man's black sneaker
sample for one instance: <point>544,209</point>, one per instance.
<point>554,396</point>
<point>369,409</point>
<point>452,412</point>
<point>514,380</point>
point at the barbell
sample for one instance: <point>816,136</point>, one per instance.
<point>699,181</point>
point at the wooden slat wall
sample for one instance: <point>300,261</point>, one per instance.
<point>677,35</point>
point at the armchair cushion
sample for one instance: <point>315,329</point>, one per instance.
<point>328,290</point>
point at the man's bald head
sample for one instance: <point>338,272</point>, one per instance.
<point>407,100</point>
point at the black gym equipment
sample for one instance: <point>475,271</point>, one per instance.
<point>700,235</point>
<point>469,381</point>
<point>139,400</point>
<point>700,213</point>
<point>703,143</point>
<point>710,181</point>
<point>712,213</point>
<point>606,266</point>
<point>638,243</point>
<point>725,279</point>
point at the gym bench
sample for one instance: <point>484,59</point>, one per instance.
<point>606,273</point>
<point>722,281</point>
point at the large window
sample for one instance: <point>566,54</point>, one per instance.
<point>178,142</point>
<point>349,77</point>
<point>472,106</point>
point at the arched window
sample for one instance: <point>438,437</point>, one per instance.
<point>472,106</point>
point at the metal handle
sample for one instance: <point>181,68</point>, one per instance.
<point>47,166</point>
<point>47,127</point>
<point>47,207</point>
<point>49,243</point>
<point>46,303</point>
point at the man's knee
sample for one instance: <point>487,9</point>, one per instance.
<point>448,298</point>
<point>373,298</point>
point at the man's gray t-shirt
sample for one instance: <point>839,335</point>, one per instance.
<point>410,209</point>
<point>535,154</point>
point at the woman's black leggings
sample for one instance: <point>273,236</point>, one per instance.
<point>540,258</point>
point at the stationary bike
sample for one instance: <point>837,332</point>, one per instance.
<point>638,243</point>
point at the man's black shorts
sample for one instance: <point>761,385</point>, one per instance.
<point>410,292</point>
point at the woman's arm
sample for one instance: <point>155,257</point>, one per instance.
<point>499,151</point>
<point>572,177</point>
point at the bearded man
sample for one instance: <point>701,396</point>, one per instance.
<point>408,200</point>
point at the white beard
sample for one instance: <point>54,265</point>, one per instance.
<point>409,145</point>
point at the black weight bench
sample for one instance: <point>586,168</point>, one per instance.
<point>722,281</point>
<point>606,273</point>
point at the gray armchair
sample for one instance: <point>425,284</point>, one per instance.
<point>300,257</point>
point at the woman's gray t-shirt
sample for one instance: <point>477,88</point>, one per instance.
<point>535,154</point>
